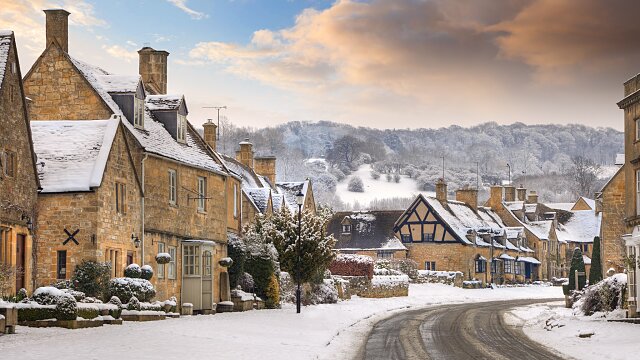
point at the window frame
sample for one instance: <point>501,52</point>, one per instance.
<point>481,266</point>
<point>8,160</point>
<point>171,269</point>
<point>637,191</point>
<point>173,187</point>
<point>121,198</point>
<point>346,228</point>
<point>207,263</point>
<point>61,272</point>
<point>161,267</point>
<point>430,265</point>
<point>235,200</point>
<point>508,266</point>
<point>637,123</point>
<point>428,237</point>
<point>517,267</point>
<point>138,112</point>
<point>202,194</point>
<point>406,238</point>
<point>181,131</point>
<point>191,260</point>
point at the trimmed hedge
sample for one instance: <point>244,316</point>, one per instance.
<point>89,313</point>
<point>36,313</point>
<point>126,288</point>
<point>352,265</point>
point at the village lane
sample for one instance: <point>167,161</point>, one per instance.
<point>467,331</point>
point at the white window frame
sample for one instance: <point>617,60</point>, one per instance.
<point>14,68</point>
<point>161,249</point>
<point>138,112</point>
<point>430,265</point>
<point>637,122</point>
<point>202,194</point>
<point>346,228</point>
<point>173,187</point>
<point>182,128</point>
<point>235,200</point>
<point>171,270</point>
<point>191,260</point>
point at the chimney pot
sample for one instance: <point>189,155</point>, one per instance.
<point>468,196</point>
<point>245,154</point>
<point>532,198</point>
<point>521,193</point>
<point>441,190</point>
<point>57,28</point>
<point>152,67</point>
<point>509,193</point>
<point>210,133</point>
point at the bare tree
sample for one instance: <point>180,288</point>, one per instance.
<point>345,150</point>
<point>584,173</point>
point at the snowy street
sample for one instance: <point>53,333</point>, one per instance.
<point>330,331</point>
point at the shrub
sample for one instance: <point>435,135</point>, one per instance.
<point>133,271</point>
<point>62,284</point>
<point>352,265</point>
<point>375,175</point>
<point>115,313</point>
<point>125,288</point>
<point>146,272</point>
<point>21,295</point>
<point>115,301</point>
<point>92,278</point>
<point>607,295</point>
<point>261,269</point>
<point>323,293</point>
<point>246,282</point>
<point>66,308</point>
<point>577,264</point>
<point>388,177</point>
<point>48,295</point>
<point>156,306</point>
<point>36,313</point>
<point>86,312</point>
<point>238,253</point>
<point>396,177</point>
<point>355,184</point>
<point>272,300</point>
<point>134,304</point>
<point>595,273</point>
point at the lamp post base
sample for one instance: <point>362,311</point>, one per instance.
<point>298,296</point>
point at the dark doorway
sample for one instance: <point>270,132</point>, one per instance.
<point>20,260</point>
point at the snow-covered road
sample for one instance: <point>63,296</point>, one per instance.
<point>332,331</point>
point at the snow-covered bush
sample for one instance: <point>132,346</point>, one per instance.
<point>155,306</point>
<point>125,288</point>
<point>134,304</point>
<point>21,295</point>
<point>323,293</point>
<point>352,265</point>
<point>246,282</point>
<point>225,262</point>
<point>388,177</point>
<point>163,258</point>
<point>77,295</point>
<point>48,295</point>
<point>287,287</point>
<point>238,252</point>
<point>607,295</point>
<point>133,271</point>
<point>66,308</point>
<point>62,284</point>
<point>375,175</point>
<point>396,178</point>
<point>355,184</point>
<point>146,272</point>
<point>92,278</point>
<point>115,301</point>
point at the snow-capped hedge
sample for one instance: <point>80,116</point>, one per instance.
<point>48,295</point>
<point>125,288</point>
<point>352,265</point>
<point>163,258</point>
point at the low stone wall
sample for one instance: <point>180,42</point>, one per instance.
<point>454,278</point>
<point>378,287</point>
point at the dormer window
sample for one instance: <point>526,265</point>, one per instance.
<point>138,112</point>
<point>182,128</point>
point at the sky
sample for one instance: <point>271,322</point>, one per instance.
<point>384,64</point>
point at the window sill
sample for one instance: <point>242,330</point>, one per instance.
<point>173,205</point>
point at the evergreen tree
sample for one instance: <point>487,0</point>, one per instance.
<point>577,263</point>
<point>595,273</point>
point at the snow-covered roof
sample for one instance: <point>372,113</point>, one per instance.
<point>582,226</point>
<point>277,201</point>
<point>506,257</point>
<point>249,178</point>
<point>290,190</point>
<point>586,259</point>
<point>260,197</point>
<point>560,206</point>
<point>529,259</point>
<point>163,102</point>
<point>369,230</point>
<point>530,208</point>
<point>119,83</point>
<point>619,159</point>
<point>590,202</point>
<point>93,74</point>
<point>514,205</point>
<point>393,244</point>
<point>5,45</point>
<point>540,229</point>
<point>74,153</point>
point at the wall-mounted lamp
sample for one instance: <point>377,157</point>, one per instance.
<point>136,240</point>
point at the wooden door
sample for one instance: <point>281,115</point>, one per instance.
<point>20,261</point>
<point>207,278</point>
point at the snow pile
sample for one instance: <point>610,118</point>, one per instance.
<point>605,296</point>
<point>244,296</point>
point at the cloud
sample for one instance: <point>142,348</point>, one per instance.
<point>182,5</point>
<point>120,52</point>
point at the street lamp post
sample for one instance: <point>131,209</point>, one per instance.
<point>299,201</point>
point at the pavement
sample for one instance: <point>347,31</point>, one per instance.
<point>464,331</point>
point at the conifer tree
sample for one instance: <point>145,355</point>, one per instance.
<point>577,263</point>
<point>595,273</point>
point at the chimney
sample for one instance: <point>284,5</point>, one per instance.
<point>522,193</point>
<point>468,196</point>
<point>245,154</point>
<point>153,69</point>
<point>266,166</point>
<point>532,198</point>
<point>509,193</point>
<point>495,197</point>
<point>441,190</point>
<point>210,135</point>
<point>57,27</point>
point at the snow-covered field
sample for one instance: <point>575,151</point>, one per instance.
<point>610,340</point>
<point>377,189</point>
<point>333,331</point>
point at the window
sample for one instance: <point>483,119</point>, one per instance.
<point>585,247</point>
<point>385,255</point>
<point>61,269</point>
<point>182,128</point>
<point>12,91</point>
<point>346,229</point>
<point>206,263</point>
<point>430,265</point>
<point>121,198</point>
<point>508,266</point>
<point>494,266</point>
<point>637,192</point>
<point>406,238</point>
<point>173,187</point>
<point>518,267</point>
<point>8,160</point>
<point>190,262</point>
<point>114,259</point>
<point>171,271</point>
<point>202,193</point>
<point>161,249</point>
<point>129,258</point>
<point>14,68</point>
<point>235,200</point>
<point>481,265</point>
<point>637,129</point>
<point>428,236</point>
<point>138,112</point>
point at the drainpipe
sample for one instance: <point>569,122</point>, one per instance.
<point>142,210</point>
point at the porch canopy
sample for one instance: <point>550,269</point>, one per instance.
<point>529,259</point>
